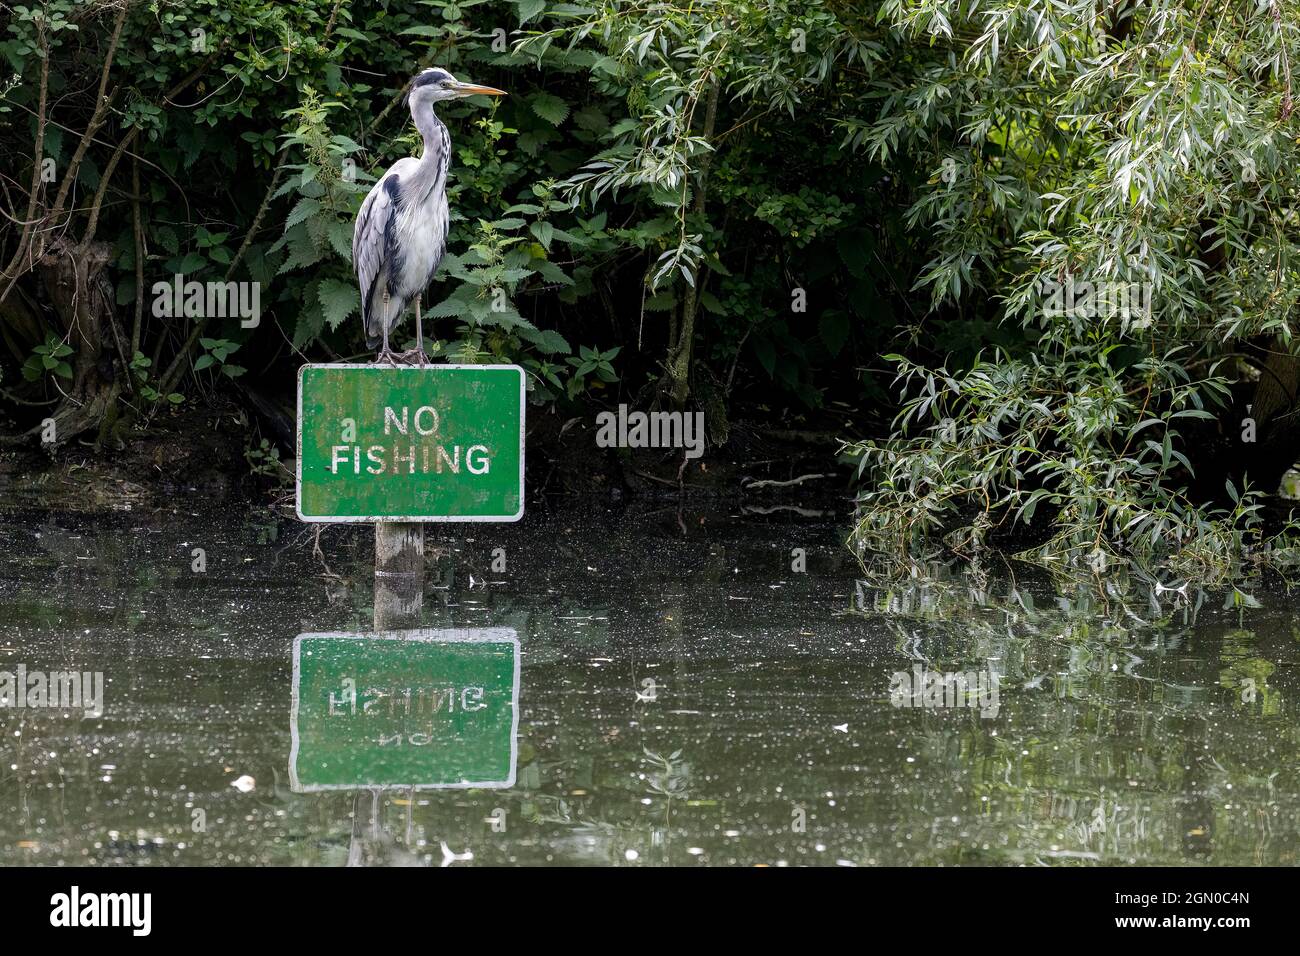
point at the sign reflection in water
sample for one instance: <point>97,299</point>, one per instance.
<point>425,709</point>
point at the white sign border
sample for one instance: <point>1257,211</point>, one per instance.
<point>464,635</point>
<point>370,519</point>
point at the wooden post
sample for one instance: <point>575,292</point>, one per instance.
<point>399,567</point>
<point>399,575</point>
<point>399,601</point>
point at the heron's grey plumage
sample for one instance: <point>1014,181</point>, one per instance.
<point>401,230</point>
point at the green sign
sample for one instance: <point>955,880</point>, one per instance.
<point>405,443</point>
<point>430,709</point>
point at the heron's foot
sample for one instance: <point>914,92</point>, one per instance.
<point>418,354</point>
<point>386,356</point>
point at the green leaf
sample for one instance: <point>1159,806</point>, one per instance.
<point>311,321</point>
<point>549,107</point>
<point>854,247</point>
<point>302,253</point>
<point>304,209</point>
<point>532,141</point>
<point>166,237</point>
<point>590,118</point>
<point>450,307</point>
<point>551,272</point>
<point>529,9</point>
<point>661,302</point>
<point>507,318</point>
<point>544,232</point>
<point>711,303</point>
<point>546,341</point>
<point>339,300</point>
<point>340,237</point>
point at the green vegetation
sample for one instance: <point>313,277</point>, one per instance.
<point>1067,229</point>
<point>1143,153</point>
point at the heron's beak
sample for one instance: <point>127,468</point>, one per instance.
<point>472,89</point>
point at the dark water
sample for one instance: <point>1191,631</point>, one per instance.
<point>1125,732</point>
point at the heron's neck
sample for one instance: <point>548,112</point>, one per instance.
<point>433,162</point>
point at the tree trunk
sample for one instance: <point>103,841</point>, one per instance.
<point>83,299</point>
<point>678,374</point>
<point>1277,417</point>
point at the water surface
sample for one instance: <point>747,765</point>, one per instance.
<point>685,697</point>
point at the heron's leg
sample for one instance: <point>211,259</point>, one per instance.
<point>385,354</point>
<point>419,331</point>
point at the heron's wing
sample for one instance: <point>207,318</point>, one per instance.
<point>369,244</point>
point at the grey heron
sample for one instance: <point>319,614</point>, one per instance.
<point>401,230</point>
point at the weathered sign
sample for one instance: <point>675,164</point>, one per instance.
<point>410,443</point>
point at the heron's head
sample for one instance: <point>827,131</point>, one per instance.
<point>436,84</point>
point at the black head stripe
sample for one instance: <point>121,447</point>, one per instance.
<point>429,77</point>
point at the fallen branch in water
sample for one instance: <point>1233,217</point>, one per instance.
<point>668,482</point>
<point>802,512</point>
<point>769,483</point>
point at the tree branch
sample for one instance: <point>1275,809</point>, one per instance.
<point>12,271</point>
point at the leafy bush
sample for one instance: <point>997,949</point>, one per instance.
<point>737,203</point>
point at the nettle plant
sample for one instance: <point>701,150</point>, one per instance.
<point>317,236</point>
